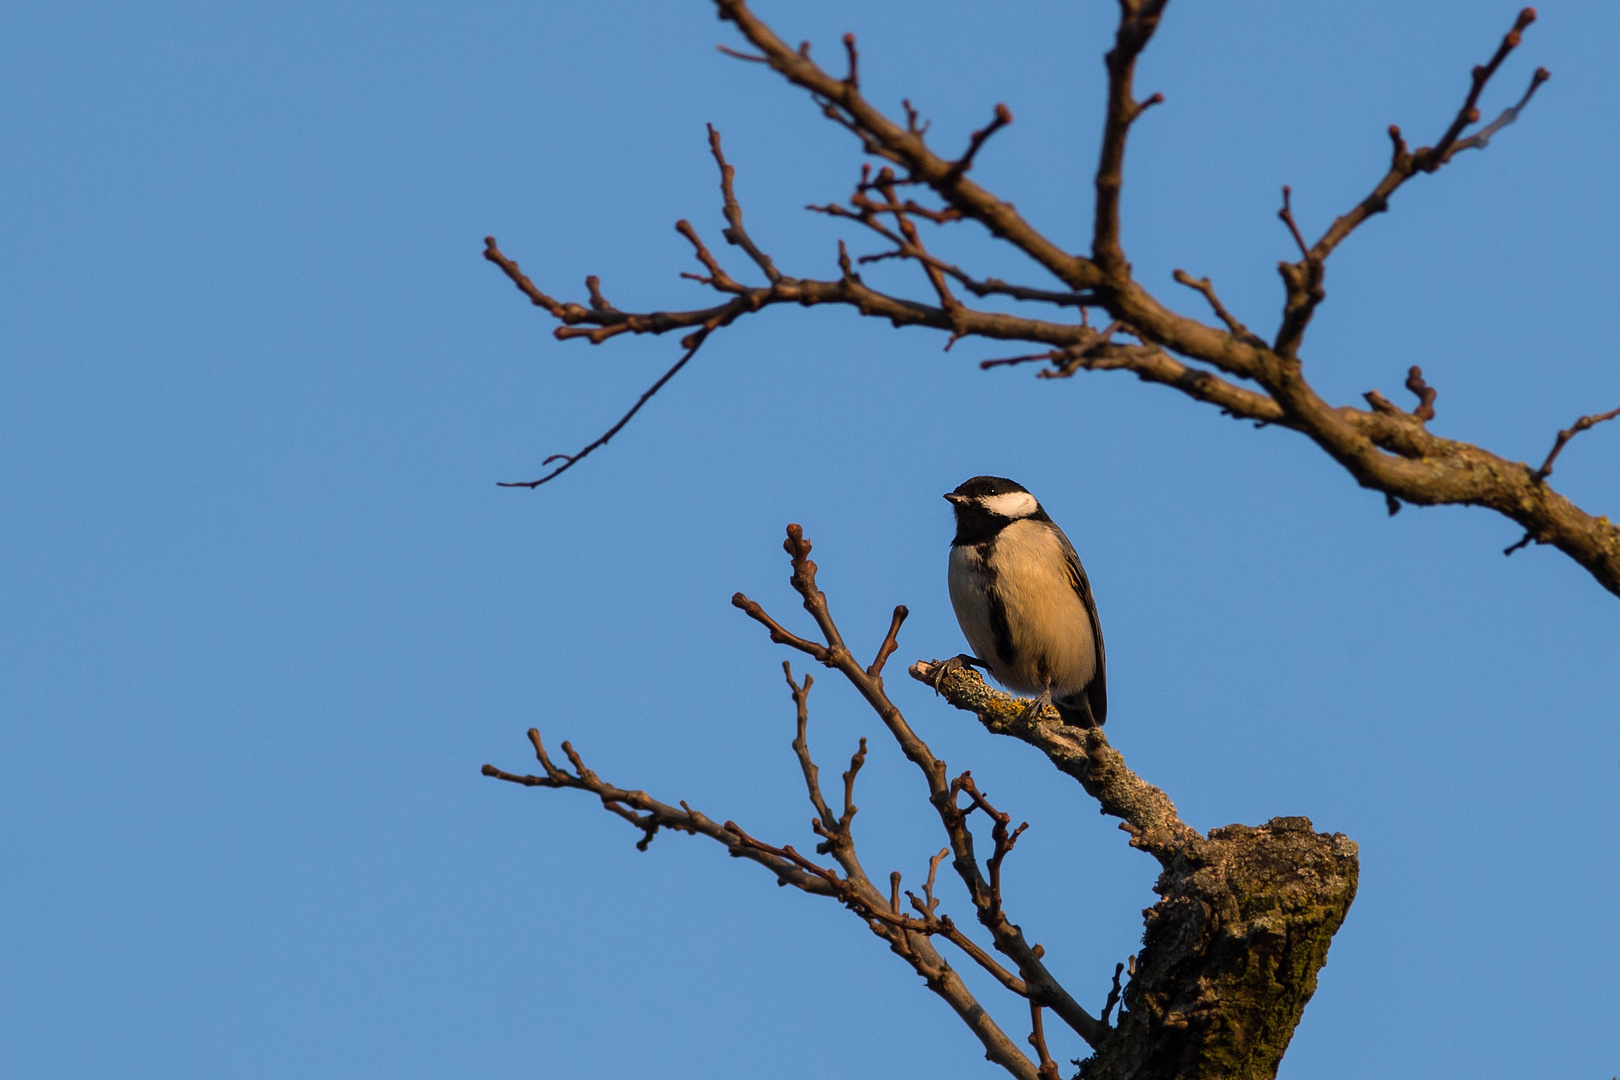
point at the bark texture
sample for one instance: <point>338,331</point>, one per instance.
<point>1231,952</point>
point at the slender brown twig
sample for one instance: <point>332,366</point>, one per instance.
<point>1205,287</point>
<point>1425,394</point>
<point>1304,278</point>
<point>1002,117</point>
<point>1037,1039</point>
<point>1567,434</point>
<point>1074,358</point>
<point>891,641</point>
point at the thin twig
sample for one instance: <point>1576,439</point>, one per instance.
<point>779,634</point>
<point>1482,138</point>
<point>693,342</point>
<point>1002,117</point>
<point>1009,361</point>
<point>1287,216</point>
<point>1567,434</point>
<point>865,213</point>
<point>734,54</point>
<point>1432,158</point>
<point>1425,394</point>
<point>735,233</point>
<point>824,823</point>
<point>1037,1039</point>
<point>1304,285</point>
<point>1304,278</point>
<point>891,641</point>
<point>850,809</point>
<point>1207,288</point>
<point>1137,22</point>
<point>1074,357</point>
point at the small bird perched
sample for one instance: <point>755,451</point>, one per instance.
<point>1023,601</point>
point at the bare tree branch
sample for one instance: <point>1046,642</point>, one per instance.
<point>1037,1039</point>
<point>1192,995</point>
<point>1145,812</point>
<point>1198,1001</point>
<point>905,147</point>
<point>1138,19</point>
<point>1404,165</point>
<point>654,815</point>
<point>1009,939</point>
<point>1425,394</point>
<point>1304,278</point>
<point>1203,285</point>
<point>1384,448</point>
<point>1246,914</point>
<point>907,935</point>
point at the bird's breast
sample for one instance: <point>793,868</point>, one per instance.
<point>1020,611</point>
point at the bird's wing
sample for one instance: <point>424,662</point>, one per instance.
<point>1097,691</point>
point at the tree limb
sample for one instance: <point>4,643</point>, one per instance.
<point>1009,938</point>
<point>1384,448</point>
<point>1246,914</point>
<point>904,146</point>
<point>1230,952</point>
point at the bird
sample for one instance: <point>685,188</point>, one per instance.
<point>1024,602</point>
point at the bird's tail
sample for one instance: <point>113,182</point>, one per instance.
<point>1076,712</point>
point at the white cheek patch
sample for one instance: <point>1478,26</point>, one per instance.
<point>1014,504</point>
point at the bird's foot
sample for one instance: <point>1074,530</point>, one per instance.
<point>1036,707</point>
<point>945,667</point>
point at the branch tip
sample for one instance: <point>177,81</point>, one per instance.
<point>1286,215</point>
<point>692,342</point>
<point>1580,425</point>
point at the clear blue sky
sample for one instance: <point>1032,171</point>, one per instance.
<point>264,613</point>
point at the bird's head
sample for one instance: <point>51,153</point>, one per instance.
<point>993,497</point>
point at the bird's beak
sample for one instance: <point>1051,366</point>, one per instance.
<point>955,498</point>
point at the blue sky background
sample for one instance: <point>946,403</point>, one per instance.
<point>265,613</point>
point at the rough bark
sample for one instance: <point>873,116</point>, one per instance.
<point>1230,954</point>
<point>1231,951</point>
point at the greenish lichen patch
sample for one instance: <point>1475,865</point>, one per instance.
<point>1231,954</point>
